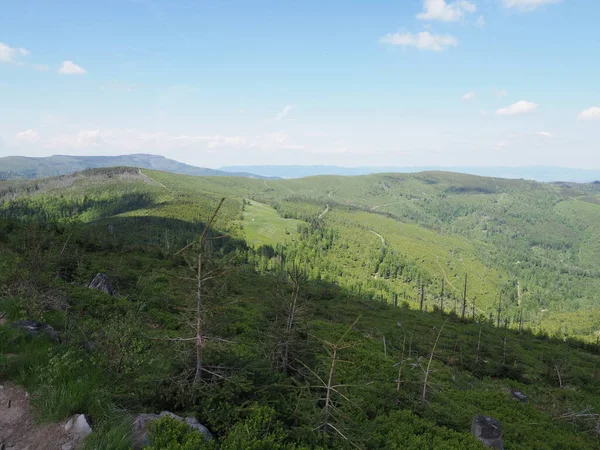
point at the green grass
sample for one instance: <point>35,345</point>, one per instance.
<point>263,226</point>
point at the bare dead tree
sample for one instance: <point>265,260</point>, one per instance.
<point>399,364</point>
<point>427,370</point>
<point>442,295</point>
<point>332,393</point>
<point>464,308</point>
<point>201,277</point>
<point>499,308</point>
<point>290,308</point>
<point>478,346</point>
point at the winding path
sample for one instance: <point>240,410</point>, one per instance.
<point>324,212</point>
<point>152,179</point>
<point>379,236</point>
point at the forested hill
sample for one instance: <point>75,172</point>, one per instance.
<point>15,167</point>
<point>373,312</point>
<point>537,173</point>
<point>530,249</point>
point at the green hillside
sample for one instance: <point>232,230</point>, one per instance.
<point>289,268</point>
<point>387,235</point>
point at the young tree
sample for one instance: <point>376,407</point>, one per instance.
<point>289,310</point>
<point>204,270</point>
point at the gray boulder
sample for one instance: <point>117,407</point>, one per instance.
<point>519,396</point>
<point>142,421</point>
<point>488,430</point>
<point>102,283</point>
<point>79,426</point>
<point>33,327</point>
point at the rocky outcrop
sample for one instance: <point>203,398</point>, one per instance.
<point>488,430</point>
<point>142,422</point>
<point>102,283</point>
<point>79,427</point>
<point>519,396</point>
<point>33,327</point>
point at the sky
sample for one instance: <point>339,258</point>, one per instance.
<point>351,83</point>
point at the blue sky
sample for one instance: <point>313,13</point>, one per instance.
<point>404,82</point>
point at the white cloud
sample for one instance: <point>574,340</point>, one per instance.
<point>480,22</point>
<point>423,40</point>
<point>11,55</point>
<point>28,136</point>
<point>483,112</point>
<point>545,134</point>
<point>592,113</point>
<point>527,5</point>
<point>469,96</point>
<point>215,141</point>
<point>445,12</point>
<point>502,93</point>
<point>516,109</point>
<point>284,112</point>
<point>70,68</point>
<point>84,139</point>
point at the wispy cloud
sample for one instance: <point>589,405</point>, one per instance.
<point>70,68</point>
<point>502,93</point>
<point>27,136</point>
<point>445,12</point>
<point>284,112</point>
<point>545,134</point>
<point>423,40</point>
<point>215,141</point>
<point>528,5</point>
<point>10,54</point>
<point>469,96</point>
<point>592,113</point>
<point>517,109</point>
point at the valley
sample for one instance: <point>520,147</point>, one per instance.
<point>445,292</point>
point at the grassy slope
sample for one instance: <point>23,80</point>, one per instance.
<point>262,225</point>
<point>474,366</point>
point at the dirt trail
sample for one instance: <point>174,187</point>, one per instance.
<point>17,428</point>
<point>152,179</point>
<point>379,236</point>
<point>324,212</point>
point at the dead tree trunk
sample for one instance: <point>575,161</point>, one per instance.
<point>200,313</point>
<point>464,308</point>
<point>499,308</point>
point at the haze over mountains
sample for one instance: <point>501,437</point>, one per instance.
<point>536,173</point>
<point>15,167</point>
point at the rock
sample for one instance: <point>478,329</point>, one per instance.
<point>488,430</point>
<point>33,327</point>
<point>68,446</point>
<point>519,396</point>
<point>102,283</point>
<point>79,426</point>
<point>141,422</point>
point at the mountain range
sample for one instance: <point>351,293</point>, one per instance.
<point>15,167</point>
<point>536,173</point>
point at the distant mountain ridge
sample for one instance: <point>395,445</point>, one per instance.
<point>15,167</point>
<point>536,173</point>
